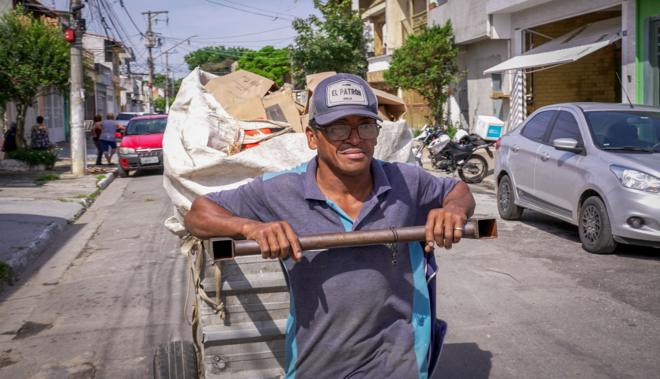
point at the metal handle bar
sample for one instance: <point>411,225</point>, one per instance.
<point>222,248</point>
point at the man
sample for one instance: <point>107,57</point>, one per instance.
<point>355,312</point>
<point>107,140</point>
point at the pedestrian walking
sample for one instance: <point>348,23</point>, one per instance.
<point>361,311</point>
<point>97,129</point>
<point>107,137</point>
<point>39,135</point>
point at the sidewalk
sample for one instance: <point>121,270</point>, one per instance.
<point>36,205</point>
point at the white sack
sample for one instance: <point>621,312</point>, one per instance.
<point>199,132</point>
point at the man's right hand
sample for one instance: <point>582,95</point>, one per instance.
<point>276,239</point>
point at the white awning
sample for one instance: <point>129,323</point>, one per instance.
<point>567,48</point>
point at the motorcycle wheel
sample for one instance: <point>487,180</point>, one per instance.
<point>474,169</point>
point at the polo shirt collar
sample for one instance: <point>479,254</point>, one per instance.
<point>311,187</point>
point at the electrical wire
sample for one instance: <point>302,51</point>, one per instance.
<point>121,3</point>
<point>274,18</point>
<point>259,9</point>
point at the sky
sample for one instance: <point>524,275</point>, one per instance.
<point>247,23</point>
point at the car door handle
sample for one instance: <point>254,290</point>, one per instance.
<point>545,157</point>
<point>515,148</point>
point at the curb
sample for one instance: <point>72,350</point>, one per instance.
<point>34,249</point>
<point>103,183</point>
<point>21,261</point>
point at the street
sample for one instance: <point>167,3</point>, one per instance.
<point>99,302</point>
<point>531,303</point>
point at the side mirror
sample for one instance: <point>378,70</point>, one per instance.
<point>567,144</point>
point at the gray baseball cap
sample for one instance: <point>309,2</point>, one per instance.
<point>342,95</point>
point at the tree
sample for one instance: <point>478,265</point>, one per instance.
<point>426,63</point>
<point>208,56</point>
<point>34,58</point>
<point>337,43</point>
<point>159,104</point>
<point>269,62</point>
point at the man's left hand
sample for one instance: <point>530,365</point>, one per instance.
<point>444,226</point>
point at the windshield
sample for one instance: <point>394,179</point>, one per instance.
<point>625,130</point>
<point>148,126</point>
<point>125,116</point>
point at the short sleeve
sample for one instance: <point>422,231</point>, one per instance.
<point>433,190</point>
<point>246,201</point>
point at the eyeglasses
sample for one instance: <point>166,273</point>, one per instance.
<point>340,132</point>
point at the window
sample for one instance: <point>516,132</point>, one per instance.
<point>496,80</point>
<point>566,127</point>
<point>536,127</point>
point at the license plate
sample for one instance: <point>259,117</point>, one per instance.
<point>148,160</point>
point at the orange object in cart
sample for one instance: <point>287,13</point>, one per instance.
<point>256,132</point>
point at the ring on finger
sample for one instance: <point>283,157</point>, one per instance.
<point>458,228</point>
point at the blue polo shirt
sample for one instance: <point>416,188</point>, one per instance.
<point>354,312</point>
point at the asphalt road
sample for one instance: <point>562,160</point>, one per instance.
<point>530,304</point>
<point>533,304</point>
<point>101,300</point>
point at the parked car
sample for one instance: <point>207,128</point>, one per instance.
<point>595,165</point>
<point>122,120</point>
<point>142,144</point>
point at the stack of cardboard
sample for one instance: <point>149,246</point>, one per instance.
<point>247,96</point>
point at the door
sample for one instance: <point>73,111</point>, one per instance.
<point>524,152</point>
<point>560,174</point>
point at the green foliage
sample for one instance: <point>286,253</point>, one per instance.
<point>33,57</point>
<point>159,104</point>
<point>426,63</point>
<point>34,157</point>
<point>207,56</point>
<point>269,62</point>
<point>159,81</point>
<point>336,43</point>
<point>46,178</point>
<point>6,273</point>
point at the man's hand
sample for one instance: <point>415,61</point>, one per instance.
<point>444,226</point>
<point>276,239</point>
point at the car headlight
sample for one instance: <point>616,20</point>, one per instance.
<point>126,150</point>
<point>638,180</point>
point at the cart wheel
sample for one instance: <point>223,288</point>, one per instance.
<point>175,360</point>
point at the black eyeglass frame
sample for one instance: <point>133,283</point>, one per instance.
<point>316,126</point>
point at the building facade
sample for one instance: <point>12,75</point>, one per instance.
<point>387,24</point>
<point>51,103</point>
<point>519,55</point>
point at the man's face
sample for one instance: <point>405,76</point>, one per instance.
<point>350,156</point>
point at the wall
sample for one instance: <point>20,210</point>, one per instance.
<point>482,55</point>
<point>557,10</point>
<point>645,8</point>
<point>468,18</point>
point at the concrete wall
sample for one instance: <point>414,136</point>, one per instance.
<point>468,17</point>
<point>478,57</point>
<point>557,10</point>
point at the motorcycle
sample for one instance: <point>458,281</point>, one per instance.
<point>455,154</point>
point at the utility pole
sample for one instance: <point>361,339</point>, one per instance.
<point>78,141</point>
<point>167,70</point>
<point>167,82</point>
<point>150,41</point>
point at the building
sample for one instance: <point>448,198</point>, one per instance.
<point>107,88</point>
<point>52,103</point>
<point>388,23</point>
<point>520,55</point>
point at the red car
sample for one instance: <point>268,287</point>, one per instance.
<point>142,144</point>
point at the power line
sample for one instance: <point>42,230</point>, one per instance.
<point>274,18</point>
<point>259,9</point>
<point>238,35</point>
<point>121,3</point>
